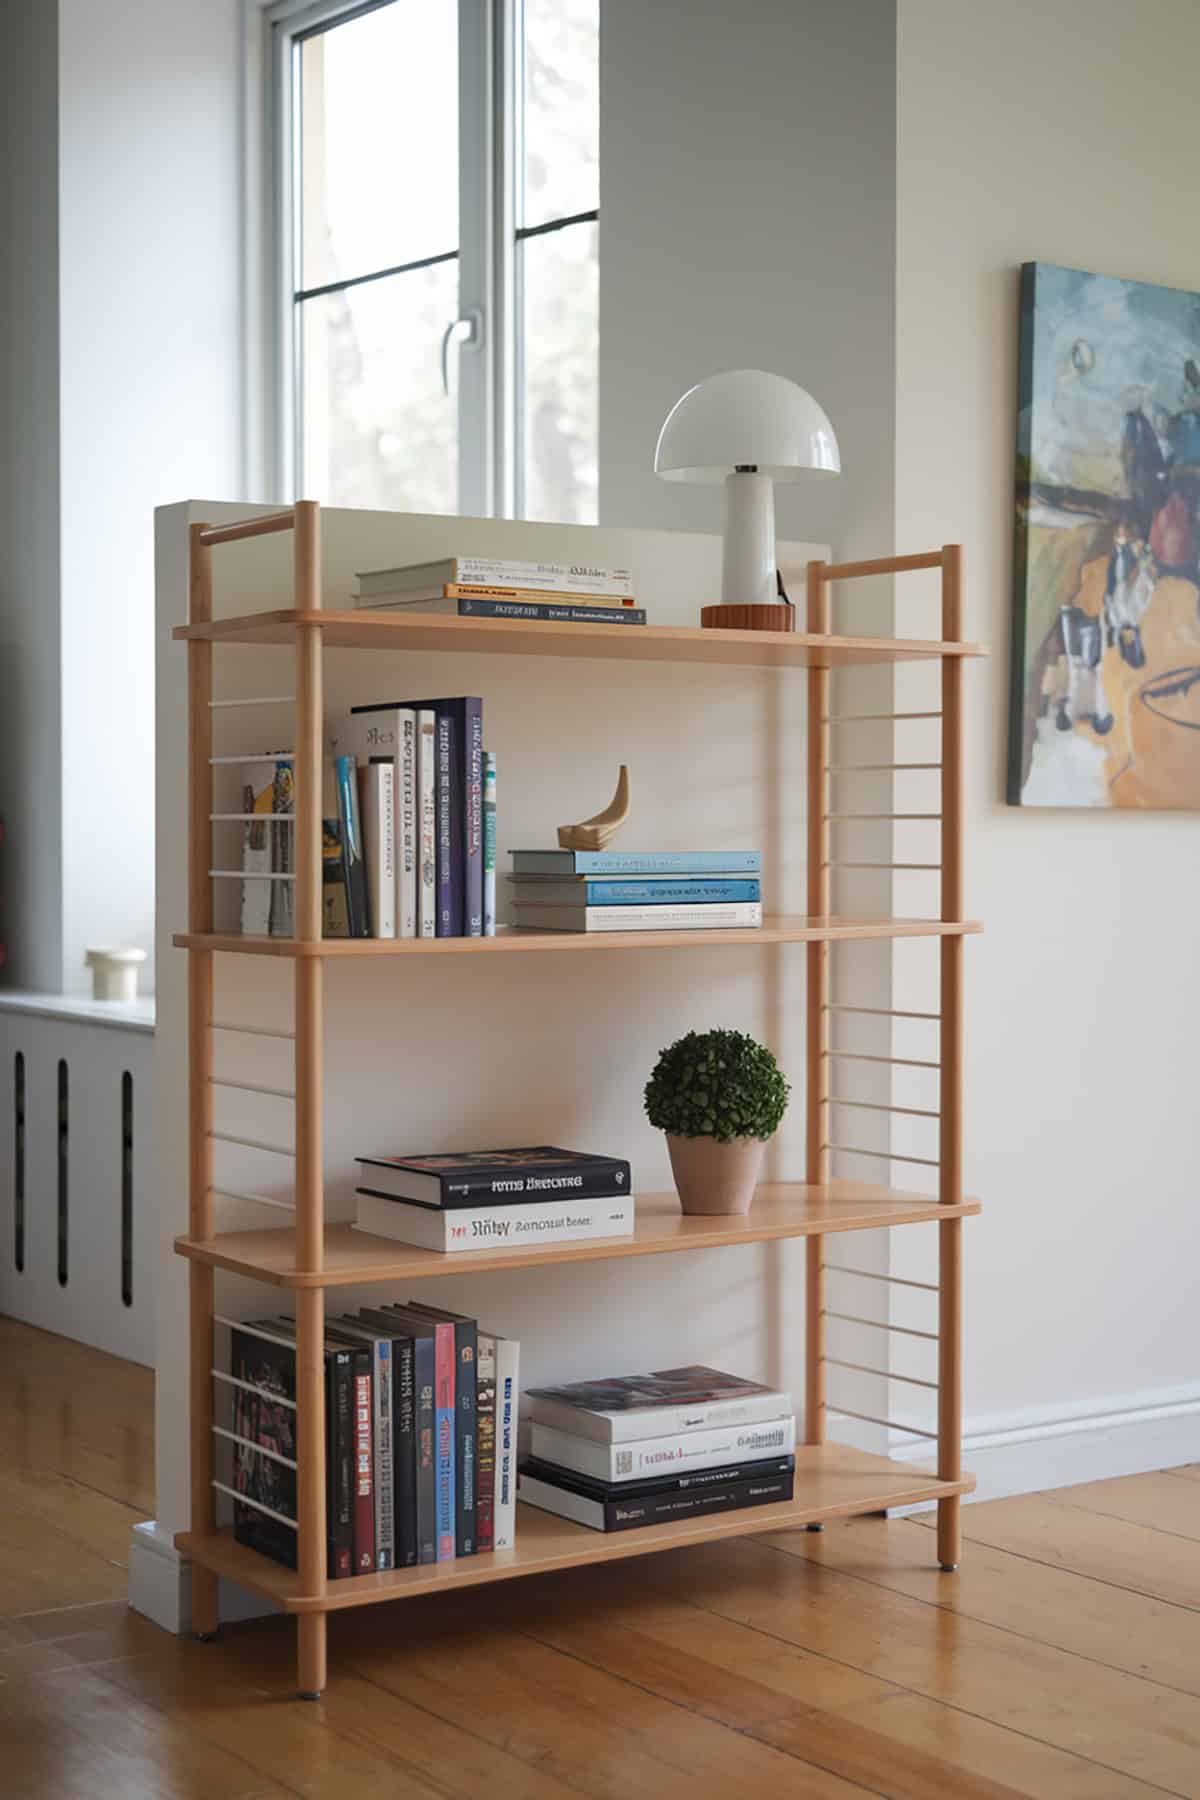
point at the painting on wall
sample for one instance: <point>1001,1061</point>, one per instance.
<point>1106,649</point>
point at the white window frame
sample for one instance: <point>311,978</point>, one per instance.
<point>490,477</point>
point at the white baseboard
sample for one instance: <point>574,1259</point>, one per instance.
<point>1060,1446</point>
<point>160,1584</point>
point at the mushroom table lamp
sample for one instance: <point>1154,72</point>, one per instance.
<point>747,430</point>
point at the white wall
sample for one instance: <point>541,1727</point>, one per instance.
<point>1065,133</point>
<point>149,305</point>
<point>30,864</point>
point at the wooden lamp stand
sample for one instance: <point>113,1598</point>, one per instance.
<point>775,615</point>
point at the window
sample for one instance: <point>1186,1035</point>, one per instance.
<point>437,207</point>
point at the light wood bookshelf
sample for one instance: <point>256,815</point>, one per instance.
<point>310,1257</point>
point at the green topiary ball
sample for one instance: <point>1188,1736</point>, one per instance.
<point>717,1084</point>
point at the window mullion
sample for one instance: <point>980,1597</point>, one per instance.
<point>476,422</point>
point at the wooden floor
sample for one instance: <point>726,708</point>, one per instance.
<point>1063,1659</point>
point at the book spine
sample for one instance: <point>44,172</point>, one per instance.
<point>667,862</point>
<point>724,1476</point>
<point>404,1415</point>
<point>351,836</point>
<point>379,845</point>
<point>595,1181</point>
<point>555,611</point>
<point>340,1468</point>
<point>364,1487</point>
<point>651,1456</point>
<point>641,918</point>
<point>444,1360</point>
<point>559,596</point>
<point>466,1465</point>
<point>694,891</point>
<point>425,1395</point>
<point>625,1515</point>
<point>405,804</point>
<point>472,571</point>
<point>334,912</point>
<point>427,894</point>
<point>464,1230</point>
<point>508,1359</point>
<point>489,845</point>
<point>657,1421</point>
<point>472,753</point>
<point>451,841</point>
<point>485,1437</point>
<point>384,1471</point>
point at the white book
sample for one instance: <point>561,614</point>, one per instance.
<point>508,1392</point>
<point>490,571</point>
<point>406,825</point>
<point>379,843</point>
<point>663,1455</point>
<point>757,1405</point>
<point>710,916</point>
<point>426,824</point>
<point>466,1228</point>
<point>381,1405</point>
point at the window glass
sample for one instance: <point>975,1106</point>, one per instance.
<point>558,281</point>
<point>561,110</point>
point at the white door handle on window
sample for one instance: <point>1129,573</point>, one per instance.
<point>465,330</point>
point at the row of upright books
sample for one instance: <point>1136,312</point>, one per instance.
<point>421,1438</point>
<point>636,890</point>
<point>640,1450</point>
<point>488,587</point>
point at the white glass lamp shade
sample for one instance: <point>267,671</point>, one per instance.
<point>746,419</point>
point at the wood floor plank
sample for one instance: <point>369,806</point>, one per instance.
<point>1134,1727</point>
<point>1134,1632</point>
<point>1157,1500</point>
<point>1187,1471</point>
<point>1068,1537</point>
<point>878,1762</point>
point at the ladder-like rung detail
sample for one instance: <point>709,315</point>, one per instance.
<point>248,875</point>
<point>875,768</point>
<point>234,1437</point>
<point>252,1087</point>
<point>883,1012</point>
<point>247,757</point>
<point>257,700</point>
<point>884,1374</point>
<point>929,1337</point>
<point>245,1500</point>
<point>254,1331</point>
<point>903,1062</point>
<point>926,1162</point>
<point>251,1387</point>
<point>229,1137</point>
<point>838,862</point>
<point>265,1031</point>
<point>254,1199</point>
<point>874,718</point>
<point>923,818</point>
<point>844,1412</point>
<point>910,1112</point>
<point>929,1287</point>
<point>259,526</point>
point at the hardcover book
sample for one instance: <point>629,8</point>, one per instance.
<point>414,1421</point>
<point>724,1475</point>
<point>562,609</point>
<point>264,1412</point>
<point>636,918</point>
<point>427,908</point>
<point>492,1227</point>
<point>465,1422</point>
<point>637,862</point>
<point>655,1509</point>
<point>683,1451</point>
<point>485,1440</point>
<point>350,833</point>
<point>339,1444</point>
<point>388,739</point>
<point>508,1370</point>
<point>493,1177</point>
<point>622,1408</point>
<point>634,890</point>
<point>494,571</point>
<point>383,1419</point>
<point>444,1381</point>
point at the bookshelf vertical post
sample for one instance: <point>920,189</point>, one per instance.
<point>816,1001</point>
<point>200,1014</point>
<point>309,1081</point>
<point>950,1058</point>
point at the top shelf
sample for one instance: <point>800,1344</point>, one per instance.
<point>530,637</point>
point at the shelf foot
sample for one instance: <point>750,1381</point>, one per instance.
<point>310,1659</point>
<point>814,1528</point>
<point>204,1637</point>
<point>309,1693</point>
<point>948,1568</point>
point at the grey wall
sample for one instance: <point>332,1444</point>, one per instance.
<point>747,205</point>
<point>30,799</point>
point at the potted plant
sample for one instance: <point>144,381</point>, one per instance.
<point>718,1096</point>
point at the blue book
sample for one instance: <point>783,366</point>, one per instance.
<point>577,890</point>
<point>354,869</point>
<point>636,862</point>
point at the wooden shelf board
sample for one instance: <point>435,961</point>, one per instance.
<point>832,1481</point>
<point>543,637</point>
<point>780,1210</point>
<point>777,928</point>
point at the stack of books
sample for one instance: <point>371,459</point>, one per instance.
<point>636,890</point>
<point>411,851</point>
<point>489,587</point>
<point>487,1199</point>
<point>421,1413</point>
<point>647,1449</point>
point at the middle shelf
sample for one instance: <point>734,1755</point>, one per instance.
<point>783,1209</point>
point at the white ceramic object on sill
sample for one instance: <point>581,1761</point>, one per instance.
<point>114,973</point>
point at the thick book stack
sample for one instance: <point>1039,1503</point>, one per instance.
<point>488,587</point>
<point>487,1199</point>
<point>636,890</point>
<point>411,852</point>
<point>648,1449</point>
<point>421,1438</point>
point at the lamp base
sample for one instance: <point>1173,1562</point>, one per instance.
<point>774,616</point>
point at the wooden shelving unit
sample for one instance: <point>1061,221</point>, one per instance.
<point>309,1257</point>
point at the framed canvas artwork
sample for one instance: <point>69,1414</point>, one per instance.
<point>1106,650</point>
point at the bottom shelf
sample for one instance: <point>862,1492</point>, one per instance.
<point>832,1481</point>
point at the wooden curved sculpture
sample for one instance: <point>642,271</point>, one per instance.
<point>594,834</point>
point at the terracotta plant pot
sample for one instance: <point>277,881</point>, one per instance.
<point>712,1177</point>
